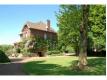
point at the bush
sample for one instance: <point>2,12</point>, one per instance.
<point>98,53</point>
<point>25,52</point>
<point>5,48</point>
<point>18,50</point>
<point>9,52</point>
<point>3,57</point>
<point>54,52</point>
<point>70,49</point>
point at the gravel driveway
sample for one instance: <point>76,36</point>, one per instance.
<point>13,68</point>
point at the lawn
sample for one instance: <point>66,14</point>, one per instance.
<point>64,66</point>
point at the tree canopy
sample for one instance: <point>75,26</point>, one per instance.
<point>69,19</point>
<point>97,24</point>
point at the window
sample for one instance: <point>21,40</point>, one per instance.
<point>26,35</point>
<point>45,36</point>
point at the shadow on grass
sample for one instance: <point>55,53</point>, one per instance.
<point>40,68</point>
<point>97,66</point>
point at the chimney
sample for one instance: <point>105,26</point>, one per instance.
<point>48,24</point>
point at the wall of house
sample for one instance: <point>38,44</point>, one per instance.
<point>43,34</point>
<point>51,35</point>
<point>25,32</point>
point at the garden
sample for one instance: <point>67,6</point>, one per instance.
<point>80,48</point>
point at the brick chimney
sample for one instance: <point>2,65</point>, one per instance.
<point>48,25</point>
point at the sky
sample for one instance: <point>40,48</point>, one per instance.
<point>13,17</point>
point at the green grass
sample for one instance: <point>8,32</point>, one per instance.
<point>63,66</point>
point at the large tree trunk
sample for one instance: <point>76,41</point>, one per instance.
<point>83,38</point>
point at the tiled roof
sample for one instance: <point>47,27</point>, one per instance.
<point>39,25</point>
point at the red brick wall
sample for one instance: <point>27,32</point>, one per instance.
<point>41,34</point>
<point>26,32</point>
<point>29,32</point>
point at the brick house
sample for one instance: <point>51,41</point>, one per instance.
<point>41,29</point>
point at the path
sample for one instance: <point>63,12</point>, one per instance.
<point>15,67</point>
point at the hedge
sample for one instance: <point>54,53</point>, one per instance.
<point>3,57</point>
<point>54,52</point>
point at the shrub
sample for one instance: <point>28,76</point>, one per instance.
<point>9,52</point>
<point>3,57</point>
<point>53,52</point>
<point>18,50</point>
<point>98,53</point>
<point>25,52</point>
<point>36,44</point>
<point>6,48</point>
<point>40,44</point>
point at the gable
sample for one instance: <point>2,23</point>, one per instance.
<point>25,28</point>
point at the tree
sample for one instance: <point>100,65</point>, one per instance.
<point>83,37</point>
<point>69,18</point>
<point>83,27</point>
<point>97,24</point>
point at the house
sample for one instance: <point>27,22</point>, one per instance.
<point>41,29</point>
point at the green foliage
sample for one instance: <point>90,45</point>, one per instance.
<point>40,44</point>
<point>37,44</point>
<point>5,48</point>
<point>3,57</point>
<point>18,50</point>
<point>52,44</point>
<point>53,52</point>
<point>8,49</point>
<point>97,26</point>
<point>69,18</point>
<point>22,48</point>
<point>22,44</point>
<point>44,44</point>
<point>25,52</point>
<point>70,49</point>
<point>9,52</point>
